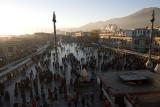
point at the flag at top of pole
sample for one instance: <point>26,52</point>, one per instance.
<point>153,17</point>
<point>54,17</point>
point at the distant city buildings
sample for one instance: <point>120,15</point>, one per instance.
<point>69,34</point>
<point>15,48</point>
<point>135,39</point>
<point>78,34</point>
<point>128,33</point>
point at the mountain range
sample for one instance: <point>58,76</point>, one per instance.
<point>138,19</point>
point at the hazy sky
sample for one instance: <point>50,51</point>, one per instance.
<point>28,16</point>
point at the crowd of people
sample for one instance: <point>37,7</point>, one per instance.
<point>45,87</point>
<point>112,60</point>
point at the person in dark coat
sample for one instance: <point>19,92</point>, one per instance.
<point>92,97</point>
<point>83,101</point>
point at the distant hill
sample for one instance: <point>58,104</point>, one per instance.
<point>138,19</point>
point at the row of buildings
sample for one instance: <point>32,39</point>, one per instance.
<point>14,48</point>
<point>135,39</point>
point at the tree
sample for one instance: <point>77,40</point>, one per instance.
<point>95,35</point>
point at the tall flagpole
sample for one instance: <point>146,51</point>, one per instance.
<point>149,63</point>
<point>55,37</point>
<point>151,36</point>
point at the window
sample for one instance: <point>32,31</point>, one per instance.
<point>146,42</point>
<point>136,42</point>
<point>10,49</point>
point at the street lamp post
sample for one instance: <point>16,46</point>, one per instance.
<point>149,63</point>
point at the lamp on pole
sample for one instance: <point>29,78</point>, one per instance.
<point>149,63</point>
